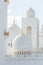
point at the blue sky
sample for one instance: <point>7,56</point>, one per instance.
<point>20,7</point>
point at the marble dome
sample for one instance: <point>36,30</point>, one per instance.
<point>22,43</point>
<point>30,13</point>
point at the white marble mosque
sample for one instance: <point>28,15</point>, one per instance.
<point>20,46</point>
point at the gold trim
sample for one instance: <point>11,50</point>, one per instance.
<point>6,33</point>
<point>6,1</point>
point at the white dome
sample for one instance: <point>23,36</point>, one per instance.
<point>22,43</point>
<point>31,13</point>
<point>14,30</point>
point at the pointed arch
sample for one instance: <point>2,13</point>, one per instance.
<point>29,30</point>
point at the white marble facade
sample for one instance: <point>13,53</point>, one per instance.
<point>22,41</point>
<point>33,22</point>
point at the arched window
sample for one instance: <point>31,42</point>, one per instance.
<point>10,44</point>
<point>29,30</point>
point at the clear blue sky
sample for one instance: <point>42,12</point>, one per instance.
<point>20,7</point>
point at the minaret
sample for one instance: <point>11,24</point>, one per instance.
<point>3,16</point>
<point>30,25</point>
<point>3,26</point>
